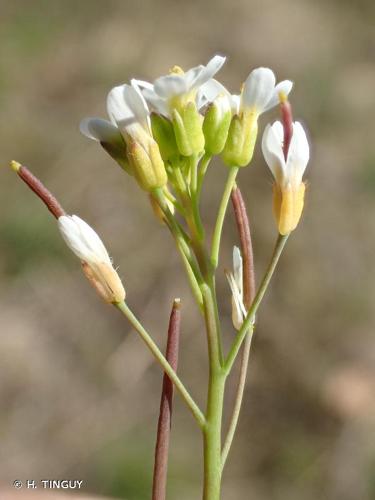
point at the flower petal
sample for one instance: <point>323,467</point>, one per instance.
<point>238,269</point>
<point>170,85</point>
<point>100,130</point>
<point>213,66</point>
<point>235,103</point>
<point>258,89</point>
<point>298,155</point>
<point>82,240</point>
<point>155,102</point>
<point>213,89</point>
<point>285,86</point>
<point>126,106</point>
<point>272,147</point>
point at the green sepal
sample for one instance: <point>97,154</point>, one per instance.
<point>215,129</point>
<point>187,127</point>
<point>117,150</point>
<point>240,144</point>
<point>148,167</point>
<point>163,133</point>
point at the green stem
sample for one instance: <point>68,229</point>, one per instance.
<point>195,410</point>
<point>193,173</point>
<point>189,261</point>
<point>212,436</point>
<point>202,172</point>
<point>215,401</point>
<point>249,320</point>
<point>233,171</point>
<point>238,400</point>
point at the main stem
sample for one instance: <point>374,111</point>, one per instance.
<point>212,435</point>
<point>215,401</point>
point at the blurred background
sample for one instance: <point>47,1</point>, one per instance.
<point>79,393</point>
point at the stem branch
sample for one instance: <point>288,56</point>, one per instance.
<point>194,408</point>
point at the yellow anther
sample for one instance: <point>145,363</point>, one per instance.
<point>176,70</point>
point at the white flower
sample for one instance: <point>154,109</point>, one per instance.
<point>129,114</point>
<point>260,92</point>
<point>82,239</point>
<point>214,92</point>
<point>130,119</point>
<point>128,110</point>
<point>291,170</point>
<point>163,93</point>
<point>235,280</point>
<point>100,130</point>
<point>289,188</point>
<point>89,248</point>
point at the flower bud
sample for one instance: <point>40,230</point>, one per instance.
<point>187,125</point>
<point>105,281</point>
<point>162,130</point>
<point>96,263</point>
<point>288,206</point>
<point>288,190</point>
<point>239,147</point>
<point>128,109</point>
<point>148,167</point>
<point>235,280</point>
<point>216,125</point>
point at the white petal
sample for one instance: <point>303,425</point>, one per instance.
<point>212,89</point>
<point>238,269</point>
<point>285,87</point>
<point>117,110</point>
<point>82,240</point>
<point>235,103</point>
<point>100,130</point>
<point>258,89</point>
<point>298,155</point>
<point>272,147</point>
<point>137,103</point>
<point>142,84</point>
<point>155,102</point>
<point>192,74</point>
<point>92,240</point>
<point>170,85</point>
<point>208,71</point>
<point>238,309</point>
<point>126,106</point>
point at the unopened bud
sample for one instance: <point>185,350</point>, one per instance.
<point>105,280</point>
<point>85,243</point>
<point>187,125</point>
<point>148,166</point>
<point>288,206</point>
<point>243,131</point>
<point>216,125</point>
<point>163,133</point>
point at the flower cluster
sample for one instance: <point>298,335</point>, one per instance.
<point>158,130</point>
<point>164,134</point>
